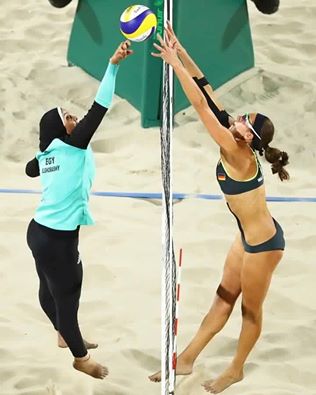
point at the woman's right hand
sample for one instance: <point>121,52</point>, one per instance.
<point>174,41</point>
<point>122,52</point>
<point>167,52</point>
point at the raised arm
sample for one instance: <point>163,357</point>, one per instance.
<point>220,134</point>
<point>192,68</point>
<point>85,129</point>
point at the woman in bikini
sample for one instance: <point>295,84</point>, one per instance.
<point>259,243</point>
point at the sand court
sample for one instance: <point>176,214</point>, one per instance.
<point>120,305</point>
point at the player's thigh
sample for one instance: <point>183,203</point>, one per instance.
<point>256,274</point>
<point>231,279</point>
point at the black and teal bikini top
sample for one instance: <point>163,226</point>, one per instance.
<point>229,186</point>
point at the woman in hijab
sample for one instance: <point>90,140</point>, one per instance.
<point>66,168</point>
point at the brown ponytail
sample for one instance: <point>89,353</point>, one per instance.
<point>279,159</point>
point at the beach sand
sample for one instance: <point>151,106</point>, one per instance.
<point>120,304</point>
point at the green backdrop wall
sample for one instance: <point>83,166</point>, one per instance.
<point>215,32</point>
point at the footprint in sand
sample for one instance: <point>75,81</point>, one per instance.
<point>143,359</point>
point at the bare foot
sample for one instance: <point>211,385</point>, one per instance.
<point>223,381</point>
<point>62,344</point>
<point>183,369</point>
<point>89,366</point>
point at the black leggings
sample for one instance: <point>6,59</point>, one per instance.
<point>59,269</point>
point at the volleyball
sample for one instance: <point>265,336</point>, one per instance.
<point>138,23</point>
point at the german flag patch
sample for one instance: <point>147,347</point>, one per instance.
<point>221,177</point>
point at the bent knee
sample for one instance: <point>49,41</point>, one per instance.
<point>227,296</point>
<point>251,314</point>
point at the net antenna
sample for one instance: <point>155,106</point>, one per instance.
<point>168,278</point>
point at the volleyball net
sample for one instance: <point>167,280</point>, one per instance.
<point>169,271</point>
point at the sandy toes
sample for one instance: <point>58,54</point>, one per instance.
<point>91,367</point>
<point>224,381</point>
<point>183,369</point>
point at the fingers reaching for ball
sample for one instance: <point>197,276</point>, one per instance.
<point>167,51</point>
<point>122,52</point>
<point>160,47</point>
<point>173,38</point>
<point>125,47</point>
<point>160,39</point>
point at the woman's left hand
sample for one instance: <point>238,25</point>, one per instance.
<point>167,51</point>
<point>122,52</point>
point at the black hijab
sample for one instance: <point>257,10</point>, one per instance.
<point>51,127</point>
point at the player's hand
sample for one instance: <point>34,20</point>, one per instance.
<point>174,41</point>
<point>167,52</point>
<point>122,52</point>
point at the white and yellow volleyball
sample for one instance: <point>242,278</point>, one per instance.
<point>138,23</point>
